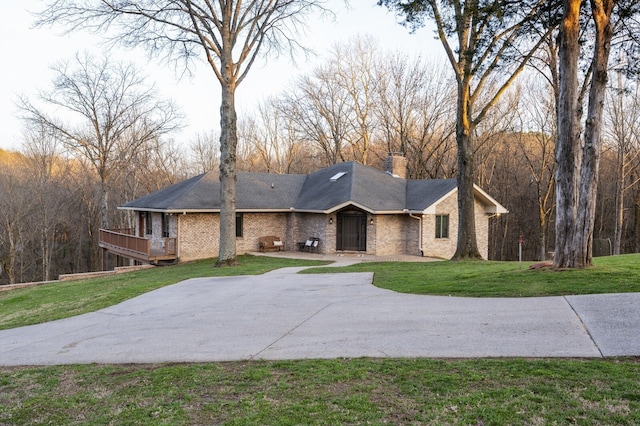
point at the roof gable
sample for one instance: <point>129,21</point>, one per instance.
<point>422,194</point>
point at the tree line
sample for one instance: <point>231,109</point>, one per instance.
<point>488,45</point>
<point>359,103</point>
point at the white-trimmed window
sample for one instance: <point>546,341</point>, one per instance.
<point>442,226</point>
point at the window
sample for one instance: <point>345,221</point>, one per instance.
<point>238,224</point>
<point>165,225</point>
<point>148,223</point>
<point>442,226</point>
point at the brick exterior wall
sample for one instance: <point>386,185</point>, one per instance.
<point>482,229</point>
<point>307,225</point>
<point>388,235</point>
<point>200,233</point>
<point>441,247</point>
<point>199,236</point>
<point>391,235</point>
<point>446,247</point>
<point>256,225</point>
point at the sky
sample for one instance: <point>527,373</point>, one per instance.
<point>29,53</point>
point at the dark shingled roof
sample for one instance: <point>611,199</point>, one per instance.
<point>364,186</point>
<point>423,193</point>
<point>254,191</point>
<point>190,194</point>
<point>369,188</point>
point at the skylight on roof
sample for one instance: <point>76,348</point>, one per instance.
<point>337,176</point>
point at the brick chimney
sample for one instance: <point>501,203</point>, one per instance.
<point>396,165</point>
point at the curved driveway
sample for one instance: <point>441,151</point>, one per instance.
<point>281,315</point>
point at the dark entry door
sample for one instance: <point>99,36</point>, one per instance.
<point>352,231</point>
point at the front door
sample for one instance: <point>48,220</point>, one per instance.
<point>351,231</point>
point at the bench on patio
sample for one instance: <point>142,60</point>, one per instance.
<point>270,243</point>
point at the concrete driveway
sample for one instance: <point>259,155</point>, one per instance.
<point>281,315</point>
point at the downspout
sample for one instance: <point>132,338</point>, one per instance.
<point>419,230</point>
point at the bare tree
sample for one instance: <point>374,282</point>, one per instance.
<point>355,72</point>
<point>102,112</point>
<point>538,135</point>
<point>204,152</point>
<point>415,111</point>
<point>579,160</point>
<point>320,109</point>
<point>273,138</point>
<point>47,174</point>
<point>601,11</point>
<point>483,40</point>
<point>623,129</point>
<point>230,34</point>
<point>15,209</point>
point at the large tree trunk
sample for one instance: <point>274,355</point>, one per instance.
<point>568,143</point>
<point>593,141</point>
<point>228,144</point>
<point>467,244</point>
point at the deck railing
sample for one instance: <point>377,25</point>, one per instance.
<point>124,242</point>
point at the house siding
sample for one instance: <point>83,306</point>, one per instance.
<point>482,229</point>
<point>315,225</point>
<point>391,235</point>
<point>284,209</point>
<point>441,247</point>
<point>446,247</point>
<point>199,236</point>
<point>200,233</point>
<point>256,225</point>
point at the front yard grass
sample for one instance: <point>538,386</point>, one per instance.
<point>318,392</point>
<point>48,302</point>
<point>343,391</point>
<point>613,274</point>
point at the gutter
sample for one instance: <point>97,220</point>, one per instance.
<point>411,215</point>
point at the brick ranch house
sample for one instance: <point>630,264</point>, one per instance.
<point>348,206</point>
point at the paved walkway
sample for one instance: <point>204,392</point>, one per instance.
<point>282,315</point>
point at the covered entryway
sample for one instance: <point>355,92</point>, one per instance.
<point>351,231</point>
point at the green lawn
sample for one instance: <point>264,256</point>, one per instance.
<point>34,305</point>
<point>614,274</point>
<point>344,391</point>
<point>319,392</point>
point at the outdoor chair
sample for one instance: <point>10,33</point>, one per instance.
<point>312,244</point>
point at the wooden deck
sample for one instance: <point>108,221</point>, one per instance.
<point>123,243</point>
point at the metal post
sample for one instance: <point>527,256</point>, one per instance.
<point>520,242</point>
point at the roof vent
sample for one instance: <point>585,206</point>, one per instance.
<point>337,176</point>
